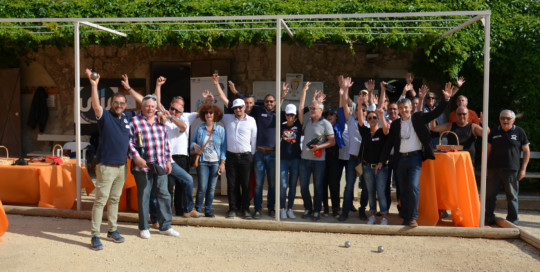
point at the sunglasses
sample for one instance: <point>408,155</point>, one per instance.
<point>175,110</point>
<point>392,108</point>
<point>237,108</point>
<point>209,112</point>
<point>149,97</point>
<point>312,108</point>
<point>506,118</point>
<point>116,103</point>
<point>430,97</point>
<point>372,118</point>
<point>269,101</point>
<point>461,114</point>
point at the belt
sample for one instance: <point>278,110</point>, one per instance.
<point>370,165</point>
<point>265,150</point>
<point>180,156</point>
<point>412,153</point>
<point>238,154</point>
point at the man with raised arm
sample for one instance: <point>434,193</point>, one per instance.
<point>111,157</point>
<point>411,140</point>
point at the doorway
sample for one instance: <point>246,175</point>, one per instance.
<point>178,81</point>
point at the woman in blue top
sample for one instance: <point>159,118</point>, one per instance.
<point>209,141</point>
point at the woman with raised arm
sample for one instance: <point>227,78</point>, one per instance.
<point>375,175</point>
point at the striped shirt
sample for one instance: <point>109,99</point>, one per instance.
<point>154,138</point>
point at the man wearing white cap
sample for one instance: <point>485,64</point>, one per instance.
<point>241,142</point>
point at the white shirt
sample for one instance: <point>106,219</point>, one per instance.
<point>409,140</point>
<point>179,141</point>
<point>241,134</point>
<point>355,139</point>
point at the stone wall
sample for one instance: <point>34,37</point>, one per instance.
<point>321,62</point>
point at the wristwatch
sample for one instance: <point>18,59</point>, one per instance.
<point>170,118</point>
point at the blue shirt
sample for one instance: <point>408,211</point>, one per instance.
<point>113,137</point>
<point>266,126</point>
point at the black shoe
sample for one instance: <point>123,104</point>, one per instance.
<point>335,214</point>
<point>353,209</point>
<point>343,217</point>
<point>405,222</point>
<point>362,214</point>
<point>272,213</point>
<point>316,216</point>
<point>209,214</point>
<point>306,214</point>
<point>378,214</point>
<point>231,214</point>
<point>257,215</point>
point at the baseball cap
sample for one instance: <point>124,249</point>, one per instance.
<point>290,109</point>
<point>364,91</point>
<point>238,103</point>
<point>332,110</point>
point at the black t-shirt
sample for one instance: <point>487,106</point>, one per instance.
<point>506,147</point>
<point>372,146</point>
<point>290,140</point>
<point>466,138</point>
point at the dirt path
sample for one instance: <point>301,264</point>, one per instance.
<point>47,244</point>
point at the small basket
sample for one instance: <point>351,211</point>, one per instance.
<point>7,160</point>
<point>441,147</point>
<point>64,158</point>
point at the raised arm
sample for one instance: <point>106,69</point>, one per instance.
<point>478,130</point>
<point>359,112</point>
<point>302,103</point>
<point>409,86</point>
<point>460,81</point>
<point>421,95</point>
<point>380,113</point>
<point>284,92</point>
<point>125,83</point>
<point>232,87</point>
<point>382,95</point>
<point>370,86</point>
<point>220,93</point>
<point>439,128</point>
<point>98,109</point>
<point>159,82</point>
<point>345,83</point>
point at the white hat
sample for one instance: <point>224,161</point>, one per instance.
<point>290,109</point>
<point>238,103</point>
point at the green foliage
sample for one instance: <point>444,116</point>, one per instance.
<point>515,48</point>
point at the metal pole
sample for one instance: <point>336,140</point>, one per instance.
<point>485,109</point>
<point>277,180</point>
<point>76,112</point>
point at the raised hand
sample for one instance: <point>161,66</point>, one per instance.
<point>284,89</point>
<point>215,79</point>
<point>321,97</point>
<point>207,96</point>
<point>232,87</point>
<point>347,83</point>
<point>93,82</point>
<point>160,81</point>
<point>448,90</point>
<point>423,91</point>
<point>306,86</point>
<point>409,78</point>
<point>125,82</point>
<point>380,112</point>
<point>460,81</point>
<point>370,85</point>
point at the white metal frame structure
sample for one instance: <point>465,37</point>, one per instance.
<point>348,24</point>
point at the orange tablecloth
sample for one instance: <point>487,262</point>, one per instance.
<point>3,220</point>
<point>448,183</point>
<point>50,186</point>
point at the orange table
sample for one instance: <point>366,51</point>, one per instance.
<point>3,220</point>
<point>448,183</point>
<point>50,186</point>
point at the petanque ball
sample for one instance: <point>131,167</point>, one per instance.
<point>94,75</point>
<point>347,244</point>
<point>380,249</point>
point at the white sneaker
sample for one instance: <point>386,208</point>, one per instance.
<point>170,232</point>
<point>145,234</point>
<point>290,214</point>
<point>384,222</point>
<point>371,220</point>
<point>283,214</point>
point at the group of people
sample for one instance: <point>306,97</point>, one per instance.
<point>378,142</point>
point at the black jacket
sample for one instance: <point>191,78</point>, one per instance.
<point>39,111</point>
<point>420,121</point>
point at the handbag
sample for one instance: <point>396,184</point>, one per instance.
<point>194,157</point>
<point>156,169</point>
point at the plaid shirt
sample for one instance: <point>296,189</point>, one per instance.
<point>154,138</point>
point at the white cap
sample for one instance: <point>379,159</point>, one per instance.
<point>290,109</point>
<point>238,103</point>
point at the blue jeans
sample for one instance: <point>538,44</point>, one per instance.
<point>350,180</point>
<point>145,182</point>
<point>264,164</point>
<point>184,182</point>
<point>508,178</point>
<point>207,174</point>
<point>408,177</point>
<point>376,184</point>
<point>289,178</point>
<point>317,168</point>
